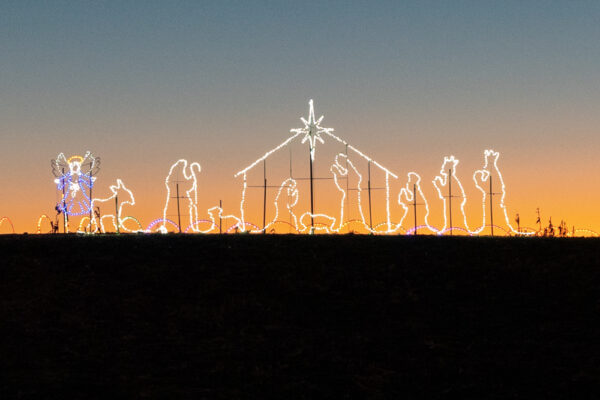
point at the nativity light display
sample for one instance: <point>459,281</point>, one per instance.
<point>309,221</point>
<point>75,178</point>
<point>313,133</point>
<point>410,195</point>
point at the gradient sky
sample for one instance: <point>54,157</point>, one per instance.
<point>144,83</point>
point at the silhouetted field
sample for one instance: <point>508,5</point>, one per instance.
<point>297,317</point>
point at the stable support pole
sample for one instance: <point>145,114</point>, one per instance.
<point>312,197</point>
<point>369,190</point>
<point>491,210</point>
<point>288,192</point>
<point>117,214</point>
<point>450,197</point>
<point>348,216</point>
<point>265,197</point>
<point>415,206</point>
<point>178,212</point>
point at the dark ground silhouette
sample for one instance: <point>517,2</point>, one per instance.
<point>298,317</point>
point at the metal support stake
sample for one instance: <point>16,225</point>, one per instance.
<point>117,214</point>
<point>312,198</point>
<point>369,189</point>
<point>450,197</point>
<point>178,211</point>
<point>288,192</point>
<point>415,206</point>
<point>348,216</point>
<point>491,210</point>
<point>265,197</point>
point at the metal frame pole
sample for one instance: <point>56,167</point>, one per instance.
<point>491,209</point>
<point>347,188</point>
<point>117,214</point>
<point>178,211</point>
<point>415,206</point>
<point>312,198</point>
<point>450,197</point>
<point>265,196</point>
<point>288,192</point>
<point>369,189</point>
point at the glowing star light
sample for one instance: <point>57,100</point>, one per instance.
<point>312,130</point>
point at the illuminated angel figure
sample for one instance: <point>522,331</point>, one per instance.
<point>191,190</point>
<point>75,178</point>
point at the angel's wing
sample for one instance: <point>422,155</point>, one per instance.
<point>90,164</point>
<point>60,165</point>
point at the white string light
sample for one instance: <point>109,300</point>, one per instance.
<point>289,185</point>
<point>191,194</point>
<point>324,222</point>
<point>495,155</point>
<point>116,190</point>
<point>439,183</point>
<point>406,197</point>
<point>216,214</point>
<point>313,133</point>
